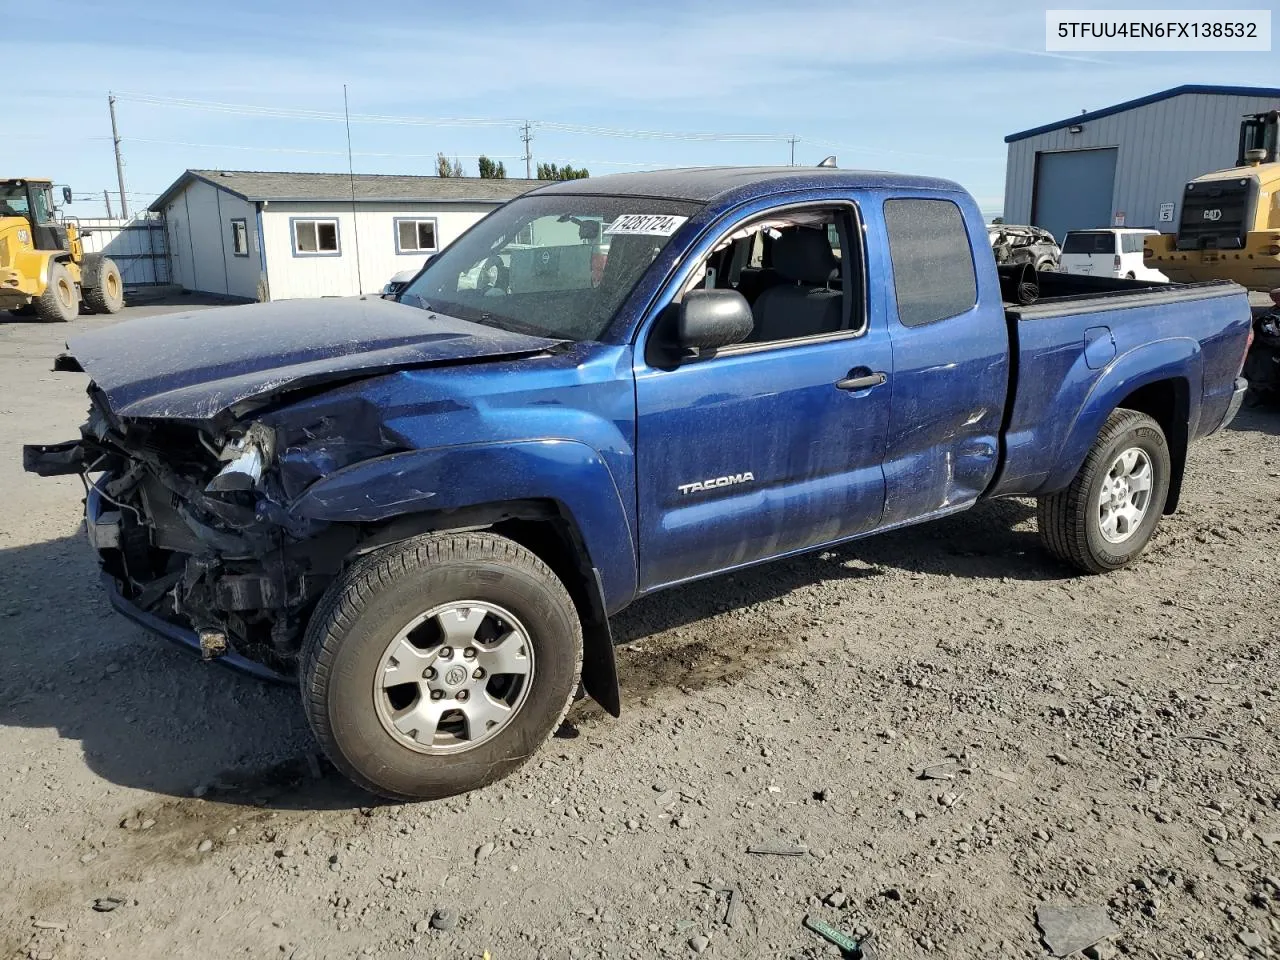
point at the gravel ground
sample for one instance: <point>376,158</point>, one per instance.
<point>1104,741</point>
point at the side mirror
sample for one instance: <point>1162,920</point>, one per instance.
<point>713,318</point>
<point>66,194</point>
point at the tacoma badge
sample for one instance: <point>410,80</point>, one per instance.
<point>700,485</point>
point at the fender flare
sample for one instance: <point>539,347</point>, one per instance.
<point>1174,359</point>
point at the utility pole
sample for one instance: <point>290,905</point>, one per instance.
<point>115,139</point>
<point>526,136</point>
<point>793,149</point>
<point>106,198</point>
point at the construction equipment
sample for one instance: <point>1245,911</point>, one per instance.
<point>43,267</point>
<point>1230,227</point>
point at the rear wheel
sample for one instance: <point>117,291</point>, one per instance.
<point>440,664</point>
<point>1108,514</point>
<point>107,293</point>
<point>1046,266</point>
<point>60,301</point>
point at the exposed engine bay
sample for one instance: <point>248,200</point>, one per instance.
<point>190,521</point>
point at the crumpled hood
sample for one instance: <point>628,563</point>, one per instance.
<point>196,365</point>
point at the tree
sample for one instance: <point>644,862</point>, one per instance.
<point>492,171</point>
<point>448,168</point>
<point>549,171</point>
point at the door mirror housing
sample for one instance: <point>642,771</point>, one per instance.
<point>66,194</point>
<point>709,319</point>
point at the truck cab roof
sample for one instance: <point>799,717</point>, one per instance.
<point>705,184</point>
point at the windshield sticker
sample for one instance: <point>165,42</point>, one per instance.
<point>645,225</point>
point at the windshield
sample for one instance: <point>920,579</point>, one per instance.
<point>552,266</point>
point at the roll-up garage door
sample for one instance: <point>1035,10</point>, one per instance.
<point>1074,189</point>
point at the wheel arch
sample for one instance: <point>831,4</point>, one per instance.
<point>1161,380</point>
<point>550,531</point>
<point>1168,403</point>
<point>556,497</point>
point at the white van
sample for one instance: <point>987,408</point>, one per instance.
<point>1108,252</point>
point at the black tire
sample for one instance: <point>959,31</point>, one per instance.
<point>60,301</point>
<point>1070,521</point>
<point>1047,266</point>
<point>104,292</point>
<point>364,610</point>
<point>1130,276</point>
<point>26,310</point>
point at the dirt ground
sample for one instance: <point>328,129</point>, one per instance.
<point>1104,741</point>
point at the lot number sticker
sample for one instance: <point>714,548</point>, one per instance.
<point>645,225</point>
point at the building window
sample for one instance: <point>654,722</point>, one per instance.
<point>416,236</point>
<point>932,262</point>
<point>240,237</point>
<point>315,238</point>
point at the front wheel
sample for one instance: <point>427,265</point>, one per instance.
<point>1109,513</point>
<point>60,301</point>
<point>440,664</point>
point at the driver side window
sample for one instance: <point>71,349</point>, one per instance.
<point>798,271</point>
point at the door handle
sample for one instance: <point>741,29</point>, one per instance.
<point>862,379</point>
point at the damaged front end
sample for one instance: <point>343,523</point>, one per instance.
<point>191,524</point>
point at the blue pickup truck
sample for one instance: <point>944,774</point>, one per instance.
<point>426,510</point>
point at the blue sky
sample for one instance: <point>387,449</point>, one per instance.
<point>919,87</point>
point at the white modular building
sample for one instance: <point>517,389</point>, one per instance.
<point>277,236</point>
<point>1126,165</point>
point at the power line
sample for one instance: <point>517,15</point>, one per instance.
<point>299,113</point>
<point>526,128</point>
<point>319,153</point>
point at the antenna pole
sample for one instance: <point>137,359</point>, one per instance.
<point>526,136</point>
<point>351,177</point>
<point>115,139</point>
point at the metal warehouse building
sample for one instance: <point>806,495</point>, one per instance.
<point>1126,165</point>
<point>277,236</point>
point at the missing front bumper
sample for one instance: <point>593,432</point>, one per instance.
<point>102,525</point>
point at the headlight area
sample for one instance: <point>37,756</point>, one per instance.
<point>195,531</point>
<point>194,525</point>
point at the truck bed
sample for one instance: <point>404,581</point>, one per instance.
<point>1088,338</point>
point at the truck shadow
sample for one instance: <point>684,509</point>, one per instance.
<point>1260,417</point>
<point>148,716</point>
<point>994,540</point>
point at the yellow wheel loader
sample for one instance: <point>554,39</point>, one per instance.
<point>1230,226</point>
<point>43,267</point>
